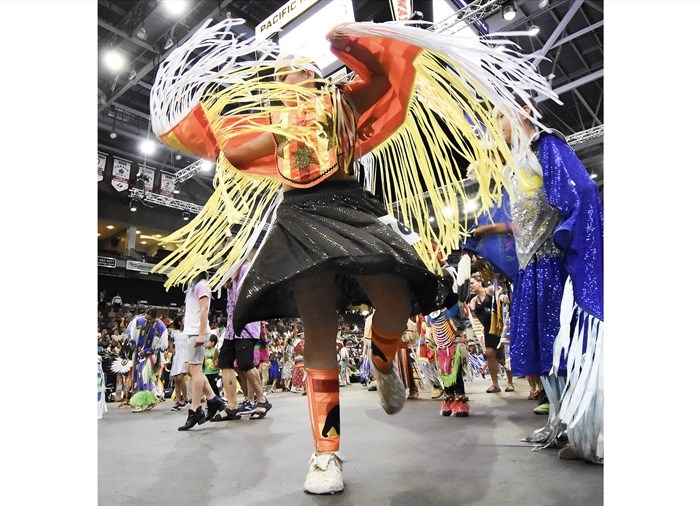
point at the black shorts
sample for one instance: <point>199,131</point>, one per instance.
<point>491,340</point>
<point>239,351</point>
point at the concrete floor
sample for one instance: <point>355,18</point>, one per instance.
<point>414,457</point>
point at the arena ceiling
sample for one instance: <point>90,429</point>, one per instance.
<point>570,38</point>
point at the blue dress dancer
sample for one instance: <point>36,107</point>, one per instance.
<point>557,307</point>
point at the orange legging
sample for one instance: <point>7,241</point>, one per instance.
<point>323,394</point>
<point>384,346</point>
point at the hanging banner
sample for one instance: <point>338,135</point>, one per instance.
<point>101,162</point>
<point>121,170</point>
<point>149,176</point>
<point>281,17</point>
<point>106,262</point>
<point>401,9</point>
<point>144,267</point>
<point>167,184</point>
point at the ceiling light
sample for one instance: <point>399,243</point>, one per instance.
<point>113,135</point>
<point>114,60</point>
<point>533,30</point>
<point>178,157</point>
<point>141,33</point>
<point>133,205</point>
<point>110,227</point>
<point>148,147</point>
<point>472,205</point>
<point>138,232</point>
<point>176,188</point>
<point>509,12</point>
<point>206,165</point>
<point>175,7</point>
<point>432,219</point>
<point>186,216</point>
<point>594,175</point>
<point>543,4</point>
<point>447,211</point>
<point>143,242</point>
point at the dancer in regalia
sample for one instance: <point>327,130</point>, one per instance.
<point>557,308</point>
<point>149,337</point>
<point>285,150</point>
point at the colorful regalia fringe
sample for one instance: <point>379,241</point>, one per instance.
<point>441,102</point>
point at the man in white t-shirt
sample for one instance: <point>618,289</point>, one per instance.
<point>117,301</point>
<point>197,328</point>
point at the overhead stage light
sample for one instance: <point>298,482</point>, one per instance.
<point>175,7</point>
<point>533,30</point>
<point>186,216</point>
<point>114,60</point>
<point>133,205</point>
<point>509,12</point>
<point>148,147</point>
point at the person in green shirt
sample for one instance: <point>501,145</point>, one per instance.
<point>211,360</point>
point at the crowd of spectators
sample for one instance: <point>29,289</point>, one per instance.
<point>113,344</point>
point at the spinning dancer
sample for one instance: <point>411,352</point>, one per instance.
<point>330,243</point>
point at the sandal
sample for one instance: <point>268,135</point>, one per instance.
<point>231,414</point>
<point>510,388</point>
<point>261,409</point>
<point>413,395</point>
<point>493,390</point>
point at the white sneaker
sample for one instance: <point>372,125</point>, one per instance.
<point>391,390</point>
<point>325,474</point>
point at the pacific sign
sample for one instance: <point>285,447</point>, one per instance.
<point>281,17</point>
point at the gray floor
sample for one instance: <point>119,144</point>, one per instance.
<point>414,457</point>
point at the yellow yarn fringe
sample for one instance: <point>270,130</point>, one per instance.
<point>404,161</point>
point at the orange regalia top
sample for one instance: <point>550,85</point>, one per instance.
<point>302,166</point>
<point>217,91</point>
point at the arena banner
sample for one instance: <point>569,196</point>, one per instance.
<point>281,17</point>
<point>149,176</point>
<point>146,267</point>
<point>101,163</point>
<point>401,10</point>
<point>106,262</point>
<point>121,170</point>
<point>167,184</point>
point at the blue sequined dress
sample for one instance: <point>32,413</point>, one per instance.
<point>558,223</point>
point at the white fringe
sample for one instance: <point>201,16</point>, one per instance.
<point>209,56</point>
<point>577,407</point>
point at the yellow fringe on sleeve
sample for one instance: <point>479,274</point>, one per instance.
<point>419,154</point>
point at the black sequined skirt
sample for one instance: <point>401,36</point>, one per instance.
<point>333,226</point>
